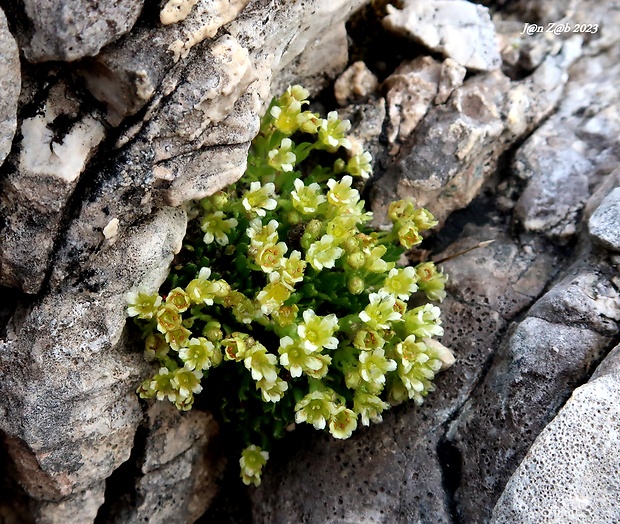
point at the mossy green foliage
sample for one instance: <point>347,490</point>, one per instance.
<point>285,305</point>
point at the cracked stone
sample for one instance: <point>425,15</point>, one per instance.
<point>456,147</point>
<point>54,148</point>
<point>535,370</point>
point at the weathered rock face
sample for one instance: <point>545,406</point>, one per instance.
<point>457,29</point>
<point>455,148</point>
<point>71,30</point>
<point>90,213</point>
<point>570,473</point>
<point>10,83</point>
<point>520,150</point>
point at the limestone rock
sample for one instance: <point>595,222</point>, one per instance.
<point>604,224</point>
<point>451,76</point>
<point>70,30</point>
<point>603,18</point>
<point>10,82</point>
<point>204,114</point>
<point>522,52</point>
<point>355,83</point>
<point>456,146</point>
<point>176,477</point>
<point>74,365</point>
<point>81,507</point>
<point>79,375</point>
<point>533,373</point>
<point>126,74</point>
<point>457,29</point>
<point>570,472</point>
<point>552,201</point>
<point>54,148</point>
<point>322,60</point>
<point>410,91</point>
<point>571,151</point>
<point>196,20</point>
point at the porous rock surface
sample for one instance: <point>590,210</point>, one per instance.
<point>570,474</point>
<point>509,137</point>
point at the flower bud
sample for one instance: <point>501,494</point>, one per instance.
<point>314,228</point>
<point>356,260</point>
<point>356,285</point>
<point>212,331</point>
<point>351,245</point>
<point>219,200</point>
<point>339,166</point>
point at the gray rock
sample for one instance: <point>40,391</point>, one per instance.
<point>126,74</point>
<point>410,91</point>
<point>74,367</point>
<point>54,148</point>
<point>319,63</point>
<point>533,373</point>
<point>586,298</point>
<point>604,224</point>
<point>570,472</point>
<point>75,373</point>
<point>70,30</point>
<point>572,151</point>
<point>457,29</point>
<point>10,83</point>
<point>602,17</point>
<point>455,148</point>
<point>522,52</point>
<point>552,200</point>
<point>451,76</point>
<point>204,114</point>
<point>81,507</point>
<point>178,470</point>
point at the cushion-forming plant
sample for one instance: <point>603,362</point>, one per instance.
<point>285,304</point>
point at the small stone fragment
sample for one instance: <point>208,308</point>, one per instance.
<point>456,28</point>
<point>355,84</point>
<point>410,93</point>
<point>111,230</point>
<point>604,224</point>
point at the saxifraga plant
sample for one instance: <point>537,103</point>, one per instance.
<point>285,304</point>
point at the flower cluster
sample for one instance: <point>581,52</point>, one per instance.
<point>284,288</point>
